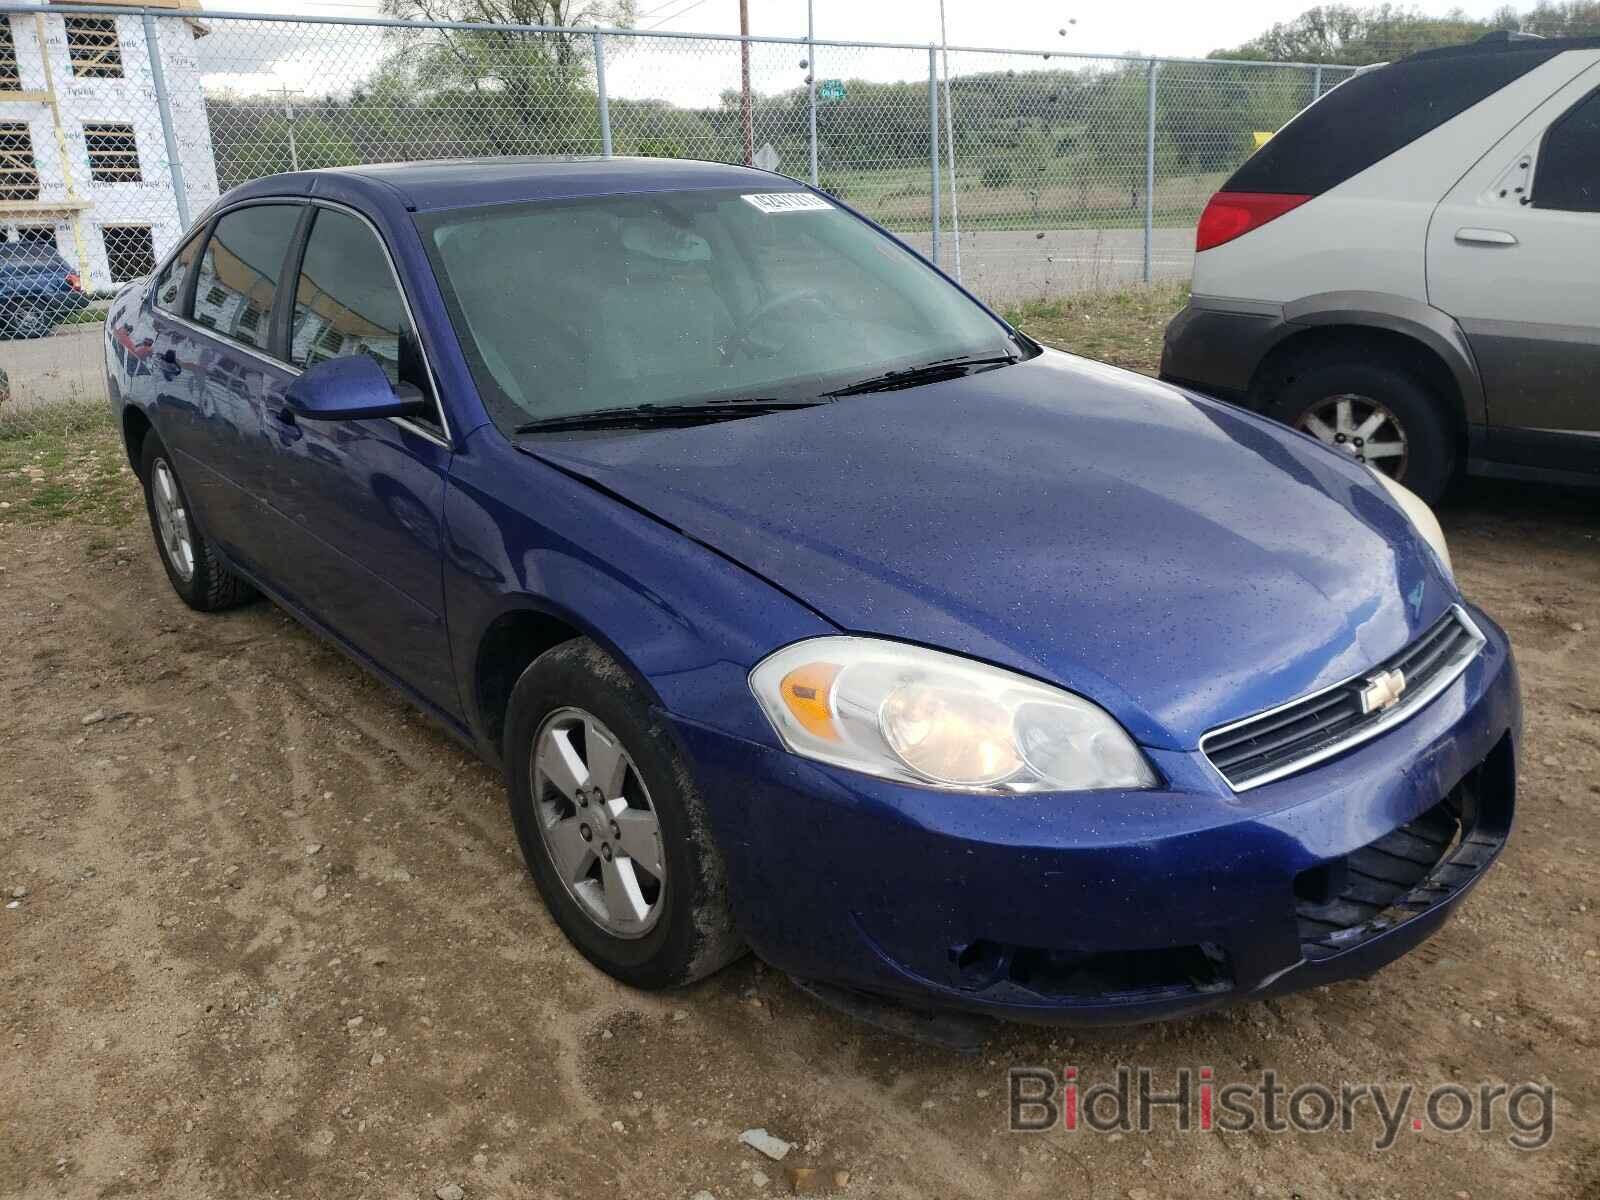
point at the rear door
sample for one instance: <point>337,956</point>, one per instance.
<point>210,373</point>
<point>361,502</point>
<point>1514,257</point>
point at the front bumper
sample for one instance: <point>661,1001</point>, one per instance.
<point>1113,907</point>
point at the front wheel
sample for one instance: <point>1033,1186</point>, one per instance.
<point>612,827</point>
<point>1377,413</point>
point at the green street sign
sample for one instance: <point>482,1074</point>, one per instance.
<point>830,89</point>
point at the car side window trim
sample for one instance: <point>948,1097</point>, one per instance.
<point>283,302</point>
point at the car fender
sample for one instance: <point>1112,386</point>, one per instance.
<point>686,622</point>
<point>1411,318</point>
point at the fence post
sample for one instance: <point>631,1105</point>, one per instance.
<point>152,44</point>
<point>1150,165</point>
<point>811,88</point>
<point>1316,83</point>
<point>933,144</point>
<point>600,91</point>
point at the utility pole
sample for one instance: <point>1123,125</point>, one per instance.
<point>746,111</point>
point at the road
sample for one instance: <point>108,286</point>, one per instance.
<point>1005,266</point>
<point>63,366</point>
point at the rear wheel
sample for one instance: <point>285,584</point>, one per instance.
<point>199,578</point>
<point>1374,410</point>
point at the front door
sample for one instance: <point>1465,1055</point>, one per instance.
<point>361,502</point>
<point>1514,256</point>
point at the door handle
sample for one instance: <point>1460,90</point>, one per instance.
<point>1472,236</point>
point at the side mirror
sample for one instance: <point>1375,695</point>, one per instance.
<point>351,388</point>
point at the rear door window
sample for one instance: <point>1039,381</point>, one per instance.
<point>1374,114</point>
<point>240,269</point>
<point>1568,174</point>
<point>169,285</point>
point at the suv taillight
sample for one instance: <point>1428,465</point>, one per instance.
<point>1233,214</point>
<point>74,282</point>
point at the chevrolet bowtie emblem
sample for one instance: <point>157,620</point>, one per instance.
<point>1382,691</point>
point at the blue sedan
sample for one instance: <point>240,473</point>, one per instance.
<point>810,608</point>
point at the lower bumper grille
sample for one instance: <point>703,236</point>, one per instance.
<point>1293,736</point>
<point>1350,900</point>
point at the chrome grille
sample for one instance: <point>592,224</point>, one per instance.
<point>1293,736</point>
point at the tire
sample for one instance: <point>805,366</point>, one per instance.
<point>676,926</point>
<point>197,575</point>
<point>30,321</point>
<point>1313,385</point>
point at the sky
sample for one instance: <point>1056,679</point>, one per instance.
<point>1172,27</point>
<point>310,61</point>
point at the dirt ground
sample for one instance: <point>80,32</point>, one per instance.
<point>276,940</point>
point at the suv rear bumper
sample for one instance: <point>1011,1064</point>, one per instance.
<point>1217,350</point>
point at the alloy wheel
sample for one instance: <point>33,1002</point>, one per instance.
<point>172,520</point>
<point>1362,428</point>
<point>597,822</point>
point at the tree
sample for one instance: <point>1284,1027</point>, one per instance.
<point>1564,18</point>
<point>519,91</point>
<point>1341,33</point>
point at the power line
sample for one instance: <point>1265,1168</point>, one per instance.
<point>650,12</point>
<point>674,16</point>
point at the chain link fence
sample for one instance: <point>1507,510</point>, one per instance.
<point>1024,174</point>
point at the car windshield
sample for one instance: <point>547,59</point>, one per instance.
<point>689,298</point>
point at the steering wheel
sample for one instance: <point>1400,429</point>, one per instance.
<point>740,337</point>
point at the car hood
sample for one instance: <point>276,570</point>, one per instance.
<point>1177,560</point>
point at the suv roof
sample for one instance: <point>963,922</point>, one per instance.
<point>1504,41</point>
<point>1377,112</point>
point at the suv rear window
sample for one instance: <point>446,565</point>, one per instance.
<point>1369,117</point>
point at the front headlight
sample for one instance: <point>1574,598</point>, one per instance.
<point>1422,519</point>
<point>937,720</point>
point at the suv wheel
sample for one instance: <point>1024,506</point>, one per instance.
<point>1375,411</point>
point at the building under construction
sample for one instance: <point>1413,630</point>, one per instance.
<point>85,160</point>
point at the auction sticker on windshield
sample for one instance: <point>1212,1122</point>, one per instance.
<point>786,202</point>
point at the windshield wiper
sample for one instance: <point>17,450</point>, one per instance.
<point>636,415</point>
<point>936,371</point>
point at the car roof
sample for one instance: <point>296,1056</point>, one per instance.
<point>439,184</point>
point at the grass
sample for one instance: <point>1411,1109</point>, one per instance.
<point>1122,328</point>
<point>93,315</point>
<point>61,462</point>
<point>65,461</point>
